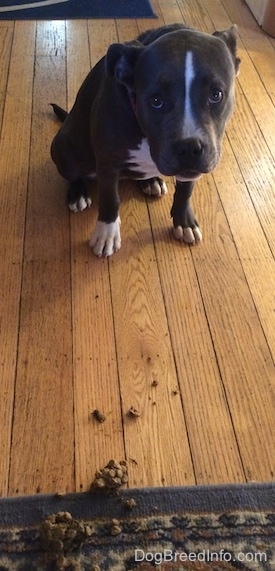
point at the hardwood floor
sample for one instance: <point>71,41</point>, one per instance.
<point>184,335</point>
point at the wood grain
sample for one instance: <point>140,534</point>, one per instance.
<point>42,454</point>
<point>145,358</point>
<point>14,158</point>
<point>184,335</point>
<point>6,36</point>
<point>212,439</point>
<point>96,383</point>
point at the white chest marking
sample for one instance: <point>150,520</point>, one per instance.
<point>190,127</point>
<point>140,160</point>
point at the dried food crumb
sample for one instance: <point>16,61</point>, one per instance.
<point>60,533</point>
<point>133,411</point>
<point>111,477</point>
<point>98,415</point>
<point>116,527</point>
<point>130,503</point>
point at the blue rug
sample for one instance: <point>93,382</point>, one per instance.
<point>69,9</point>
<point>222,528</point>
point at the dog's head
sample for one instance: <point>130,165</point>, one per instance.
<point>183,87</point>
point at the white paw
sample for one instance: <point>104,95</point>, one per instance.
<point>81,204</point>
<point>188,235</point>
<point>155,188</point>
<point>106,239</point>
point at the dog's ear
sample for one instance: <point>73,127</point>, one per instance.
<point>230,38</point>
<point>121,59</point>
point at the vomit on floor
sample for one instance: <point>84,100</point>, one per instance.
<point>116,528</point>
<point>130,503</point>
<point>98,415</point>
<point>111,477</point>
<point>133,411</point>
<point>62,535</point>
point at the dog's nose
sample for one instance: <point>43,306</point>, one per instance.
<point>191,148</point>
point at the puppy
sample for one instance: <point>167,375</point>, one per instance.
<point>155,106</point>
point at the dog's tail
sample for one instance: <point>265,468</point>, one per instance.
<point>60,113</point>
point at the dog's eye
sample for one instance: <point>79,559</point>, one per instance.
<point>216,95</point>
<point>156,101</point>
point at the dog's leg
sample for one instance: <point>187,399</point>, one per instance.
<point>78,198</point>
<point>106,239</point>
<point>186,228</point>
<point>153,186</point>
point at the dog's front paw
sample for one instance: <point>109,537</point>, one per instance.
<point>106,239</point>
<point>81,204</point>
<point>188,235</point>
<point>186,228</point>
<point>153,186</point>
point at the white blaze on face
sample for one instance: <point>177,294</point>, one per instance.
<point>190,127</point>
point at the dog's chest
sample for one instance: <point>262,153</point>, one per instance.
<point>141,163</point>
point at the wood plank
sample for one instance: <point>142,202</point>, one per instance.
<point>78,57</point>
<point>250,239</point>
<point>260,101</point>
<point>145,357</point>
<point>184,334</point>
<point>252,72</point>
<point>243,220</point>
<point>14,158</point>
<point>127,30</point>
<point>212,438</point>
<point>96,384</point>
<point>254,152</point>
<point>171,15</point>
<point>42,455</point>
<point>250,236</point>
<point>102,33</point>
<point>6,37</point>
<point>194,14</point>
<point>219,18</point>
<point>50,39</point>
<point>150,23</point>
<point>243,355</point>
<point>7,23</point>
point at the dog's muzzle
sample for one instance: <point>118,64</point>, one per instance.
<point>188,158</point>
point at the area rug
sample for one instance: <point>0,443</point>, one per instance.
<point>220,528</point>
<point>69,9</point>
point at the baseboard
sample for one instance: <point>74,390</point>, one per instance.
<point>264,13</point>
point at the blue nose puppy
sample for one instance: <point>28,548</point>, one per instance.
<point>155,106</point>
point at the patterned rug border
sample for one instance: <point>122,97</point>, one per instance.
<point>254,497</point>
<point>228,528</point>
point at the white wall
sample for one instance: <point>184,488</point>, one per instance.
<point>258,8</point>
